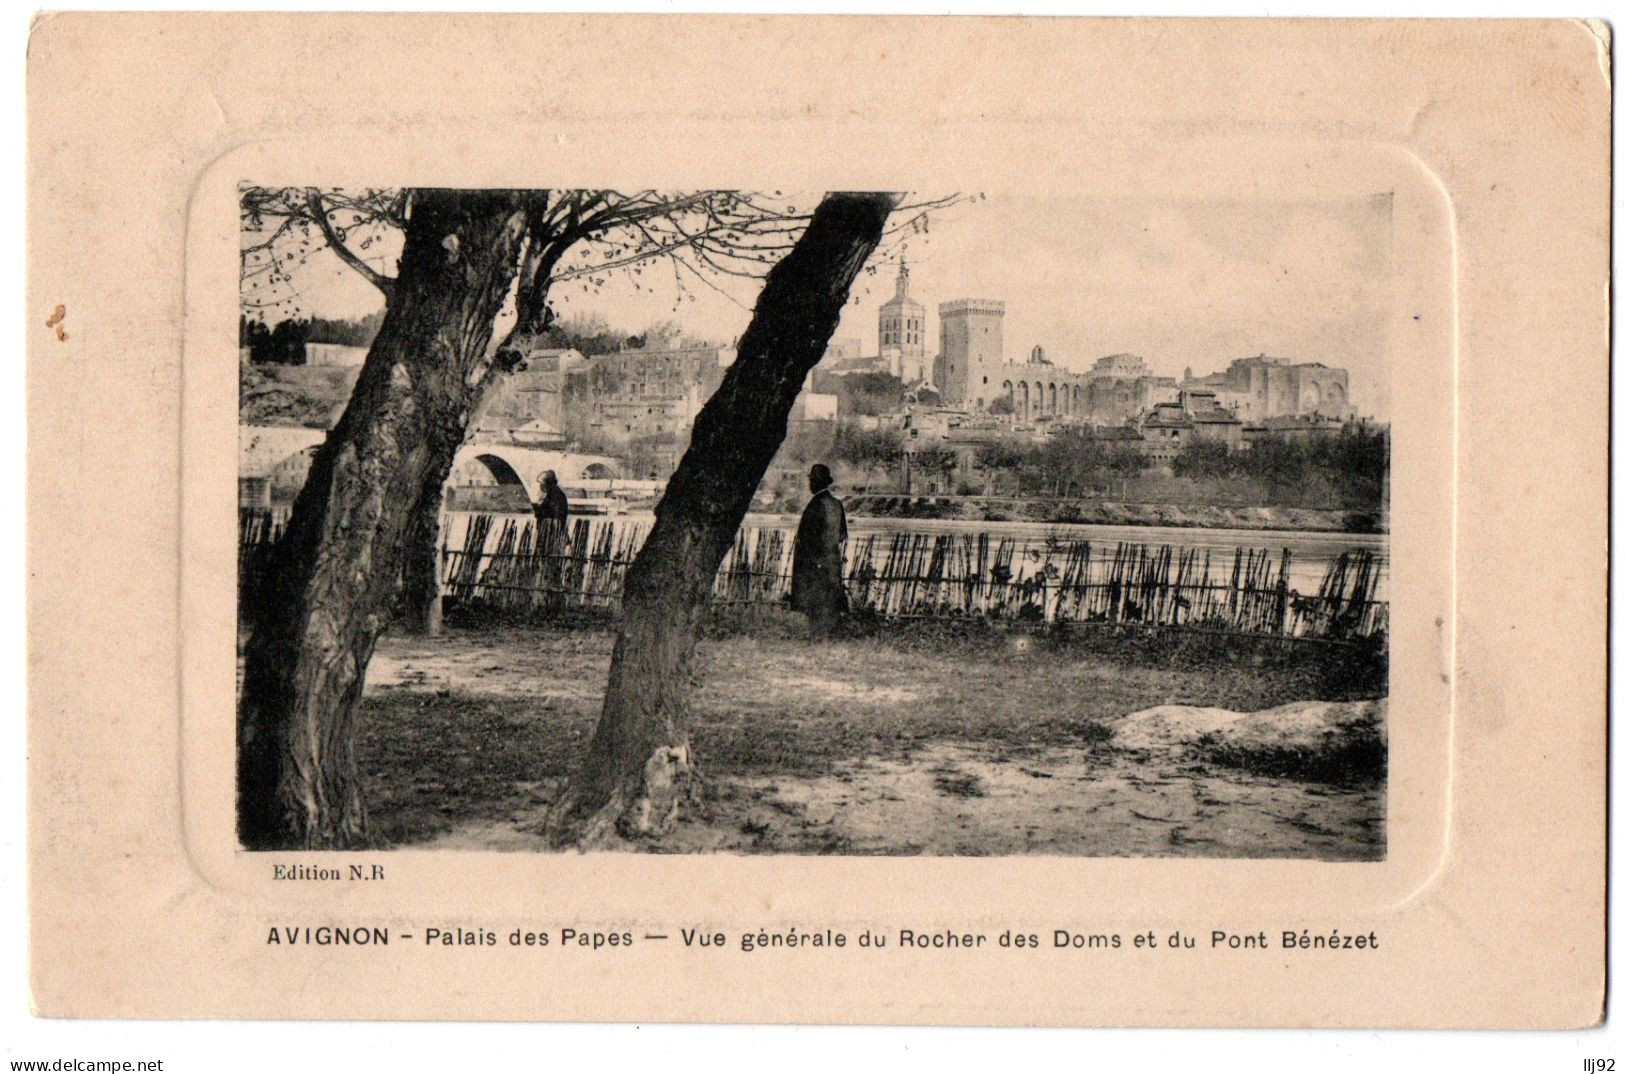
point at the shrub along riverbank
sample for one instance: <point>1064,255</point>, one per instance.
<point>1335,481</point>
<point>1115,513</point>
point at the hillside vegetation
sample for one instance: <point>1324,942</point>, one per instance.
<point>299,395</point>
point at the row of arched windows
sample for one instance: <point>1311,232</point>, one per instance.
<point>1031,400</point>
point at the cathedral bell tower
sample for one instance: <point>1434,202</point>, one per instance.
<point>902,331</point>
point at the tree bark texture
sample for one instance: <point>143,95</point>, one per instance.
<point>419,609</point>
<point>638,768</point>
<point>332,579</point>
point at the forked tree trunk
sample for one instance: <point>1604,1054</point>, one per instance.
<point>333,576</point>
<point>638,766</point>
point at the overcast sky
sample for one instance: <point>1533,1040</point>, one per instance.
<point>1181,284</point>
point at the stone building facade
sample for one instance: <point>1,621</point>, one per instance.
<point>902,332</point>
<point>633,375</point>
<point>970,372</point>
<point>1038,389</point>
<point>973,373</point>
<point>1121,387</point>
<point>641,404</point>
<point>1262,387</point>
<point>335,354</point>
<point>533,392</point>
<point>1169,428</point>
<point>971,358</point>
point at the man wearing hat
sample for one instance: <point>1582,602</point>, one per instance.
<point>816,587</point>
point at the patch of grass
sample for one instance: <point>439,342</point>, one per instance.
<point>1339,672</point>
<point>480,724</point>
<point>430,761</point>
<point>958,784</point>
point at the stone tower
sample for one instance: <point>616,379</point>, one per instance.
<point>902,325</point>
<point>972,351</point>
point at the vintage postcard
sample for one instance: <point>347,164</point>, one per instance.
<point>901,523</point>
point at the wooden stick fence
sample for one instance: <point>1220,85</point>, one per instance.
<point>257,531</point>
<point>508,566</point>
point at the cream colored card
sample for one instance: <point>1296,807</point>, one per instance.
<point>1469,161</point>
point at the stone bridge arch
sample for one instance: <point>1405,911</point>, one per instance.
<point>523,467</point>
<point>501,469</point>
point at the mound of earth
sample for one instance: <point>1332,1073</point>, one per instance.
<point>1334,741</point>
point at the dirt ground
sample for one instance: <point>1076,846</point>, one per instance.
<point>851,747</point>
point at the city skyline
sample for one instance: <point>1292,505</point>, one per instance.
<point>1183,285</point>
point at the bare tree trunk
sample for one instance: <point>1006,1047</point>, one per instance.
<point>419,609</point>
<point>332,579</point>
<point>638,766</point>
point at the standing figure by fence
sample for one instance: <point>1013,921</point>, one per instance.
<point>816,586</point>
<point>552,510</point>
<point>553,506</point>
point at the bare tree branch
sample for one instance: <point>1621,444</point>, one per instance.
<point>570,236</point>
<point>335,242</point>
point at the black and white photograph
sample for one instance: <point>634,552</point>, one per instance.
<point>768,522</point>
<point>784,527</point>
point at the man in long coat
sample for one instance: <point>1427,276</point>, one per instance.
<point>552,512</point>
<point>554,506</point>
<point>816,586</point>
